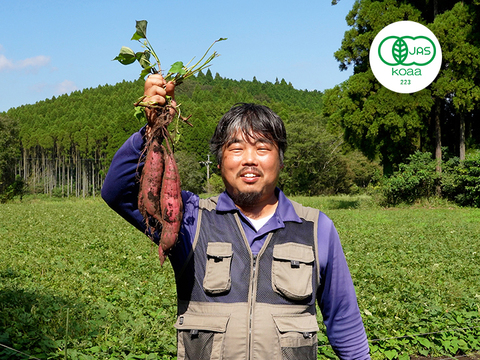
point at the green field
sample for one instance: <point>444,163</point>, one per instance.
<point>77,281</point>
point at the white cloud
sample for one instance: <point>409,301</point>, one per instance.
<point>65,87</point>
<point>34,62</point>
<point>5,64</point>
<point>30,64</point>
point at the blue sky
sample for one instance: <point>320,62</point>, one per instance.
<point>52,47</point>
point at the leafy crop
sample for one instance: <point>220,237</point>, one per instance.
<point>178,71</point>
<point>416,274</point>
<point>177,74</point>
<point>80,258</point>
<point>415,271</point>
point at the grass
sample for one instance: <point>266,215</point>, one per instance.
<point>79,255</point>
<point>415,270</point>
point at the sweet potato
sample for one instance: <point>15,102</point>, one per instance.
<point>150,184</point>
<point>171,205</point>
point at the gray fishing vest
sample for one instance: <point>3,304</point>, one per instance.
<point>233,305</point>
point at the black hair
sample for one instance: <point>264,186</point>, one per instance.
<point>252,120</point>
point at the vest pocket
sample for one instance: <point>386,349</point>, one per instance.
<point>292,269</point>
<point>201,336</point>
<point>217,278</point>
<point>297,336</point>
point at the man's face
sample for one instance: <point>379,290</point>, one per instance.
<point>250,168</point>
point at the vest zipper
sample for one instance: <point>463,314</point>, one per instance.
<point>252,302</point>
<point>253,284</point>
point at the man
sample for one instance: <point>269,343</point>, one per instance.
<point>249,264</point>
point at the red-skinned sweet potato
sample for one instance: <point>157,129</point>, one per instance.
<point>150,185</point>
<point>171,205</point>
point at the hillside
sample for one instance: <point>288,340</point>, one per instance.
<point>95,121</point>
<point>67,142</point>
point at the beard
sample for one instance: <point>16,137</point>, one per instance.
<point>246,199</point>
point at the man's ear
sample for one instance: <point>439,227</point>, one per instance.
<point>218,166</point>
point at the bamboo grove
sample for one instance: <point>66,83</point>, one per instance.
<point>63,143</point>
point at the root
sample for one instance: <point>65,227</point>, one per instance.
<point>157,130</point>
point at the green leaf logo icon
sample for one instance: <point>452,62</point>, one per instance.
<point>400,51</point>
<point>400,54</point>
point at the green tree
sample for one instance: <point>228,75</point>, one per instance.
<point>313,163</point>
<point>378,121</point>
<point>191,176</point>
<point>64,135</point>
<point>459,81</point>
<point>9,151</point>
<point>414,180</point>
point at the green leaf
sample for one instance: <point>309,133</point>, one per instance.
<point>177,68</point>
<point>446,344</point>
<point>147,71</point>
<point>400,51</point>
<point>140,114</point>
<point>425,342</point>
<point>390,354</point>
<point>143,58</point>
<point>126,56</point>
<point>423,352</point>
<point>141,33</point>
<point>463,345</point>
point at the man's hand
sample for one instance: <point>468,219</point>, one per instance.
<point>156,90</point>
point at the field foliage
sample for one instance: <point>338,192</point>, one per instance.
<point>78,282</point>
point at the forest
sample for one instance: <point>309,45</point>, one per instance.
<point>442,118</point>
<point>353,138</point>
<point>63,146</point>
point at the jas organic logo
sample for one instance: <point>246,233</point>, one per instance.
<point>405,57</point>
<point>407,50</point>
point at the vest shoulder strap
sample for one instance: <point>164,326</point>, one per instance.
<point>208,204</point>
<point>305,212</point>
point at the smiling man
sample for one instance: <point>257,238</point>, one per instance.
<point>250,264</point>
<point>249,147</point>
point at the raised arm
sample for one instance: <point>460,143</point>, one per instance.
<point>120,188</point>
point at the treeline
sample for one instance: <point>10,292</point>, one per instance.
<point>439,122</point>
<point>63,146</point>
<point>441,119</point>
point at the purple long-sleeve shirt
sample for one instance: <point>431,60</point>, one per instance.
<point>336,296</point>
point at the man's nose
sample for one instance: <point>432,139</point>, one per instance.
<point>250,158</point>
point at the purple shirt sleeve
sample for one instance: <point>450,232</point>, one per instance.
<point>120,188</point>
<point>336,296</point>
